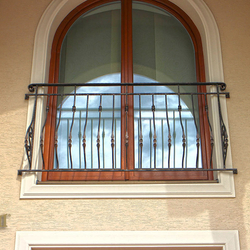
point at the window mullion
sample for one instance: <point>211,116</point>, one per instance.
<point>127,121</point>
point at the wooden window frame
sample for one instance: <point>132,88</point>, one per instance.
<point>126,76</point>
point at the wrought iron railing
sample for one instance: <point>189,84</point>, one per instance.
<point>166,122</point>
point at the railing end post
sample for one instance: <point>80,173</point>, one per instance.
<point>235,171</point>
<point>31,88</point>
<point>223,86</point>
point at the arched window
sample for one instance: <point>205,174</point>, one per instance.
<point>151,42</point>
<point>40,154</point>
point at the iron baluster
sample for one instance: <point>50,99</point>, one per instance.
<point>174,138</point>
<point>197,134</point>
<point>79,139</point>
<point>155,136</point>
<point>68,159</point>
<point>84,133</point>
<point>29,137</point>
<point>186,158</point>
<point>42,130</point>
<point>150,138</point>
<point>126,133</point>
<point>138,132</point>
<point>169,132</point>
<point>112,133</point>
<point>92,143</point>
<point>115,143</point>
<point>211,131</point>
<point>70,132</point>
<point>56,134</point>
<point>182,128</point>
<point>224,136</point>
<point>140,135</point>
<point>162,144</point>
<point>98,133</point>
<point>103,148</point>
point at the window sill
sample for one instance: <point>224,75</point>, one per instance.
<point>224,188</point>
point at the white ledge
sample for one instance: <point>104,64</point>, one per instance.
<point>179,240</point>
<point>225,188</point>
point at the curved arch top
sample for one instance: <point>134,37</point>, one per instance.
<point>197,10</point>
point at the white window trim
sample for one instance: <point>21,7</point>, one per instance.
<point>226,239</point>
<point>203,18</point>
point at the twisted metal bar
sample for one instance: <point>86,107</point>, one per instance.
<point>29,137</point>
<point>70,132</point>
<point>98,133</point>
<point>56,133</point>
<point>211,131</point>
<point>169,132</point>
<point>162,144</point>
<point>84,133</point>
<point>42,130</point>
<point>126,133</point>
<point>112,133</point>
<point>140,135</point>
<point>103,147</point>
<point>183,132</point>
<point>155,136</point>
<point>197,134</point>
<point>224,135</point>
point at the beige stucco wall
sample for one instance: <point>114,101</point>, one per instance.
<point>18,23</point>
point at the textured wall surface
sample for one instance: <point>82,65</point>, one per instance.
<point>18,23</point>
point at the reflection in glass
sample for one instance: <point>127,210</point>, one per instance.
<point>144,123</point>
<point>143,115</point>
<point>91,109</point>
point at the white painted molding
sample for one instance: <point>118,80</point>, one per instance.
<point>222,189</point>
<point>198,11</point>
<point>226,239</point>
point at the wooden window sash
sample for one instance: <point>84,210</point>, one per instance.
<point>127,161</point>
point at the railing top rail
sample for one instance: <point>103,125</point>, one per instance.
<point>32,86</point>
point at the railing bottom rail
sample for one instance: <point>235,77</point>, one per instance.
<point>234,170</point>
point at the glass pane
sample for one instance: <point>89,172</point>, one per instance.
<point>90,54</point>
<point>162,48</point>
<point>91,48</point>
<point>163,52</point>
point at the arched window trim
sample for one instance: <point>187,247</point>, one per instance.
<point>204,20</point>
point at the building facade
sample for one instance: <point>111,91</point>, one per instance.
<point>180,214</point>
